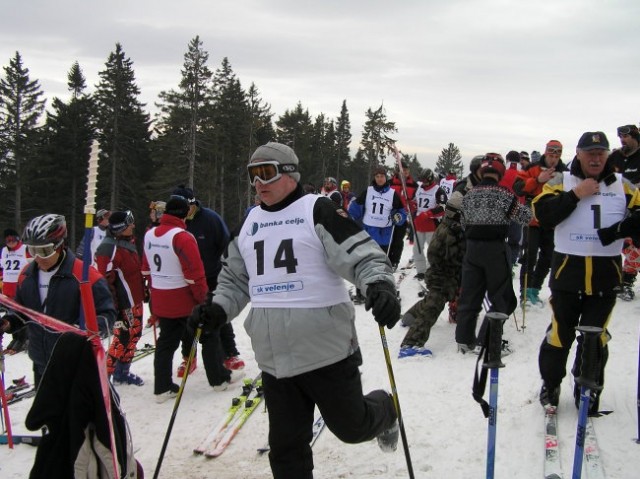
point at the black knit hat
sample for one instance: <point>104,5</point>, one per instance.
<point>186,193</point>
<point>513,156</point>
<point>631,130</point>
<point>177,206</point>
<point>120,221</point>
<point>11,232</point>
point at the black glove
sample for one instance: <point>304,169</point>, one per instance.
<point>382,297</point>
<point>208,316</point>
<point>608,235</point>
<point>630,226</point>
<point>12,323</point>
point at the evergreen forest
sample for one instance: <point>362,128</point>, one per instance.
<point>202,135</point>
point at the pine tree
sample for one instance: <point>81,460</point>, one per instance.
<point>260,129</point>
<point>185,114</point>
<point>321,151</point>
<point>375,141</point>
<point>450,160</point>
<point>70,131</point>
<point>343,140</point>
<point>20,110</point>
<point>261,125</point>
<point>294,128</point>
<point>226,176</point>
<point>124,135</point>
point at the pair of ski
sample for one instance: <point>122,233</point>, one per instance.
<point>20,389</point>
<point>318,427</point>
<point>592,463</point>
<point>241,408</point>
<point>21,439</point>
<point>143,352</point>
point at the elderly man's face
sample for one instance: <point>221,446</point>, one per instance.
<point>593,161</point>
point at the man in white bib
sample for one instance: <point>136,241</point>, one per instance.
<point>585,272</point>
<point>288,258</point>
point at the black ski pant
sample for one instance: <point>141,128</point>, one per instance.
<point>171,332</point>
<point>570,310</point>
<point>397,243</point>
<point>226,337</point>
<point>539,247</point>
<point>486,270</point>
<point>337,391</point>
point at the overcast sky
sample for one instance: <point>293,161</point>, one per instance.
<point>487,75</point>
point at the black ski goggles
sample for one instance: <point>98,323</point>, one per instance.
<point>627,129</point>
<point>268,171</point>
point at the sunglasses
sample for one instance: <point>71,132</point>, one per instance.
<point>44,251</point>
<point>553,149</point>
<point>11,239</point>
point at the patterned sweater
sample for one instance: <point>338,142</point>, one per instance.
<point>488,209</point>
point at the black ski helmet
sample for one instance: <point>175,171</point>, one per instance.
<point>427,176</point>
<point>475,163</point>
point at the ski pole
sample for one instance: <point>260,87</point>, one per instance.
<point>165,443</point>
<point>3,398</point>
<point>525,265</point>
<point>398,158</point>
<point>588,381</point>
<point>396,401</point>
<point>638,396</point>
<point>493,363</point>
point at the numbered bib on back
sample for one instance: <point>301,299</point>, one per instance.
<point>166,271</point>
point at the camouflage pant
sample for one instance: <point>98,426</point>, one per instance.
<point>427,310</point>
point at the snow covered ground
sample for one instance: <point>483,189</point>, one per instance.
<point>445,427</point>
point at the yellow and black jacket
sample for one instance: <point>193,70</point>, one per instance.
<point>591,275</point>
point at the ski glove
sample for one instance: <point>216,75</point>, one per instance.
<point>396,218</point>
<point>630,226</point>
<point>11,323</point>
<point>208,316</point>
<point>382,297</point>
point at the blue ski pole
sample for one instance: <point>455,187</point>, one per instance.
<point>588,380</point>
<point>493,363</point>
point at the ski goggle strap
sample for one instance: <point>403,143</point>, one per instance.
<point>125,223</point>
<point>43,251</point>
<point>268,171</point>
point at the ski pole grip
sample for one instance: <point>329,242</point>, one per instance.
<point>591,357</point>
<point>494,345</point>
